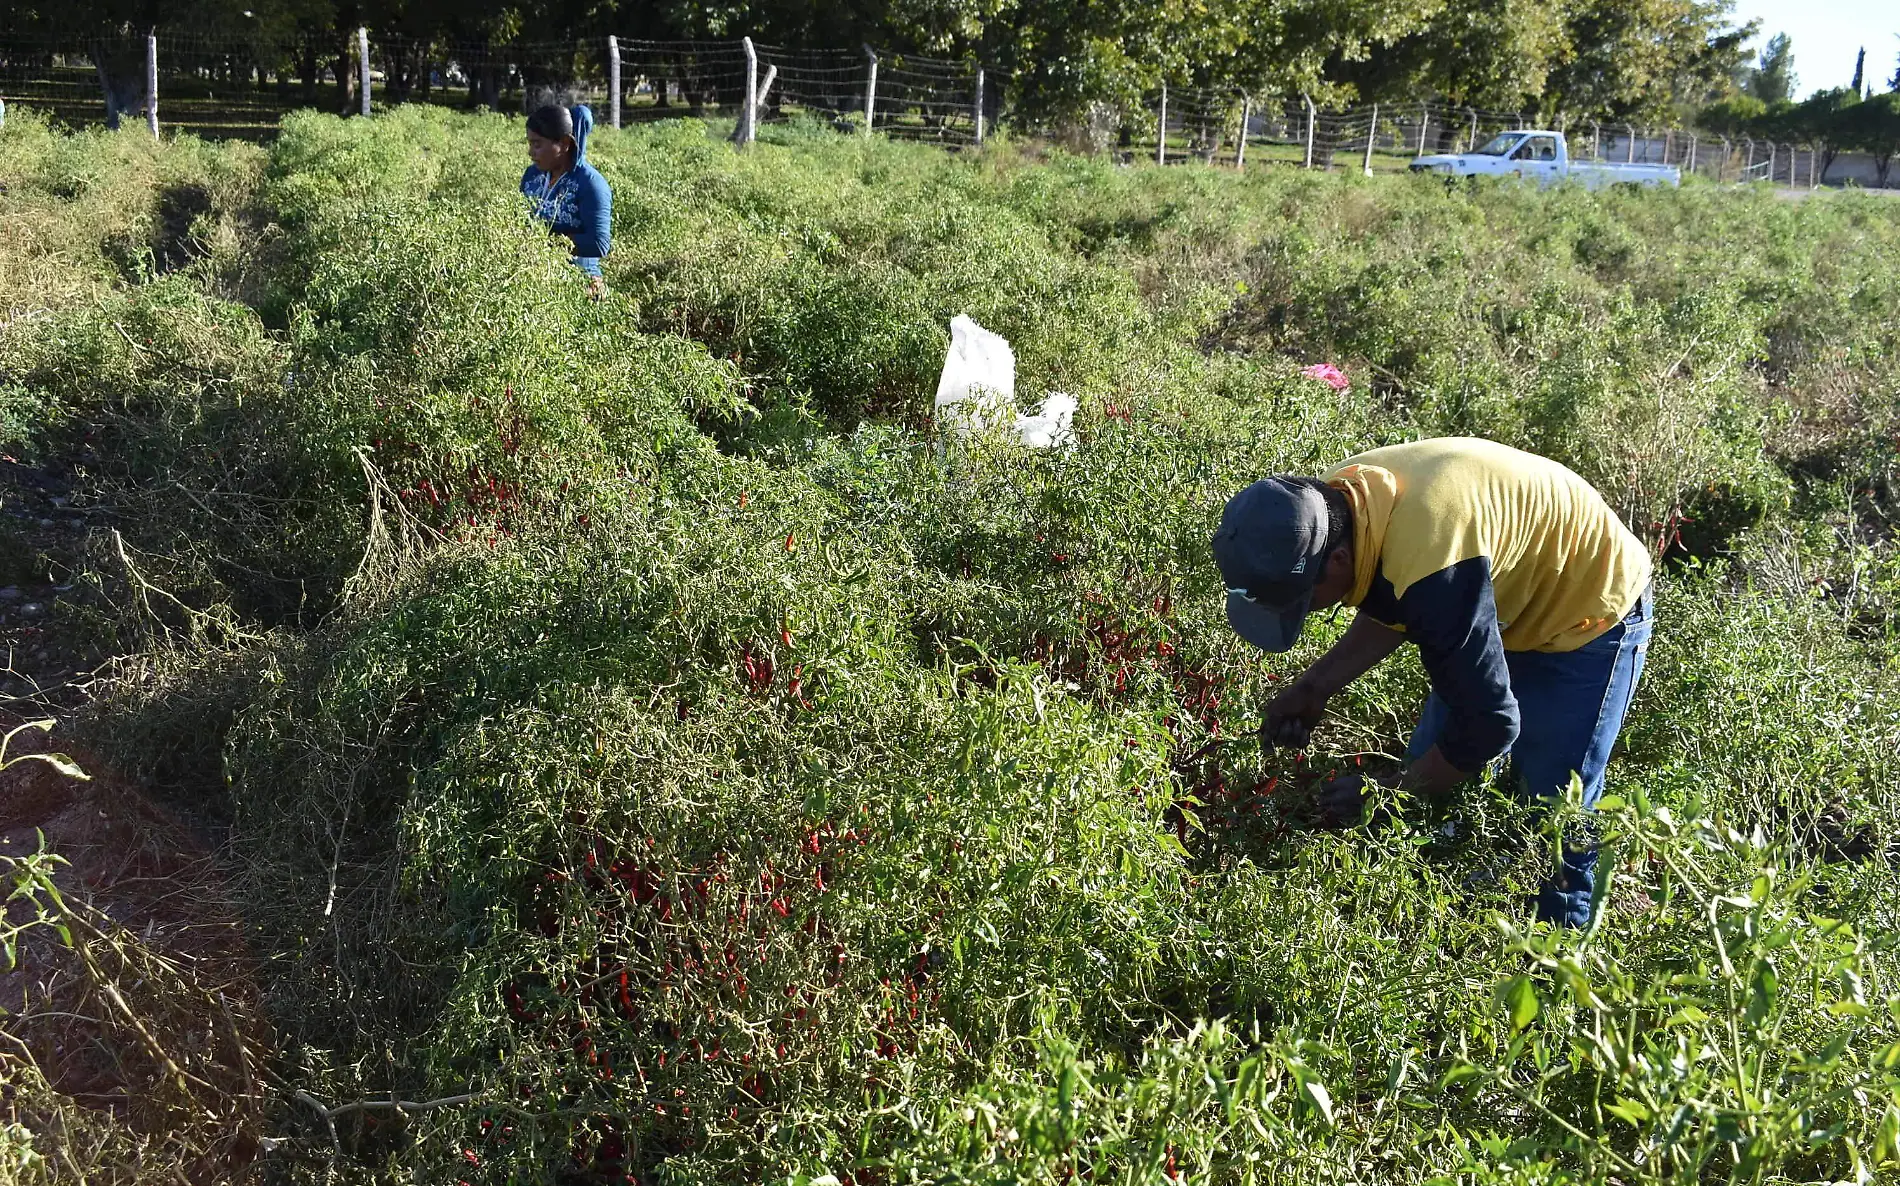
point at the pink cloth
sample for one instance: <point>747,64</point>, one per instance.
<point>1328,374</point>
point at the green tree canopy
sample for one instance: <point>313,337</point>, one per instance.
<point>1773,79</point>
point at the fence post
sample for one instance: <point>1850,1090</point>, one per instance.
<point>1692,140</point>
<point>1161,129</point>
<point>1669,141</point>
<point>1629,149</point>
<point>1240,146</point>
<point>1771,162</point>
<point>1814,155</point>
<point>1424,123</point>
<point>1471,141</point>
<point>3,113</point>
<point>362,69</point>
<point>1721,165</point>
<point>1311,115</point>
<point>613,80</point>
<point>979,104</point>
<point>749,114</point>
<point>764,94</point>
<point>1372,129</point>
<point>1596,141</point>
<point>151,82</point>
<point>870,90</point>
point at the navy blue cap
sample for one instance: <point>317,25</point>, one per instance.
<point>1271,549</point>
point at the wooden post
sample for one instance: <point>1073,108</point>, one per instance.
<point>362,70</point>
<point>1372,129</point>
<point>1424,122</point>
<point>749,113</point>
<point>1629,149</point>
<point>765,92</point>
<point>151,82</point>
<point>1771,162</point>
<point>1721,165</point>
<point>1240,147</point>
<point>1472,139</point>
<point>1814,157</point>
<point>1596,141</point>
<point>979,104</point>
<point>1161,129</point>
<point>1692,143</point>
<point>870,91</point>
<point>1311,115</point>
<point>1669,141</point>
<point>613,80</point>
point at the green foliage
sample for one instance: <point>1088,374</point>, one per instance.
<point>1594,58</point>
<point>1772,80</point>
<point>1873,127</point>
<point>632,716</point>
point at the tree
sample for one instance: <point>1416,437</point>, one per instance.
<point>1734,117</point>
<point>1773,79</point>
<point>1823,119</point>
<point>1635,59</point>
<point>1487,53</point>
<point>1873,127</point>
<point>1860,69</point>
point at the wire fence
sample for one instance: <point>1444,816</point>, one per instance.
<point>1235,129</point>
<point>237,82</point>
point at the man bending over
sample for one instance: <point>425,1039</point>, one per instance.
<point>1528,600</point>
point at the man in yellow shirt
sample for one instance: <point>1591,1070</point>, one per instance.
<point>1527,598</point>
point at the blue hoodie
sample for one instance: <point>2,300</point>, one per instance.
<point>578,205</point>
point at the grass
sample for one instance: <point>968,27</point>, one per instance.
<point>632,724</point>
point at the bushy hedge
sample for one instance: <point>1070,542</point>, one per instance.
<point>673,744</point>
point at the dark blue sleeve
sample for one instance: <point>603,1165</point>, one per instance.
<point>1453,618</point>
<point>594,211</point>
<point>527,175</point>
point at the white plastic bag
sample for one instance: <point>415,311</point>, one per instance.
<point>977,390</point>
<point>1049,427</point>
<point>976,393</point>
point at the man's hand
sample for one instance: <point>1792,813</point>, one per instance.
<point>1342,800</point>
<point>1294,712</point>
<point>1292,715</point>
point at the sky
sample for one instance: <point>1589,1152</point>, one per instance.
<point>1826,34</point>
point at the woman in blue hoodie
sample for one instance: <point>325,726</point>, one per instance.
<point>568,194</point>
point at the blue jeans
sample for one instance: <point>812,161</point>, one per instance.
<point>1570,707</point>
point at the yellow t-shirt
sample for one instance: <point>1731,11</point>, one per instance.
<point>1563,568</point>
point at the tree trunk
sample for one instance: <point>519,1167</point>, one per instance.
<point>307,68</point>
<point>111,96</point>
<point>345,92</point>
<point>121,81</point>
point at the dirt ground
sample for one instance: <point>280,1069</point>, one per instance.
<point>150,1015</point>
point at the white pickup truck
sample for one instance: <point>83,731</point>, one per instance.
<point>1545,157</point>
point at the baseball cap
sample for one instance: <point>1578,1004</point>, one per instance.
<point>1271,550</point>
